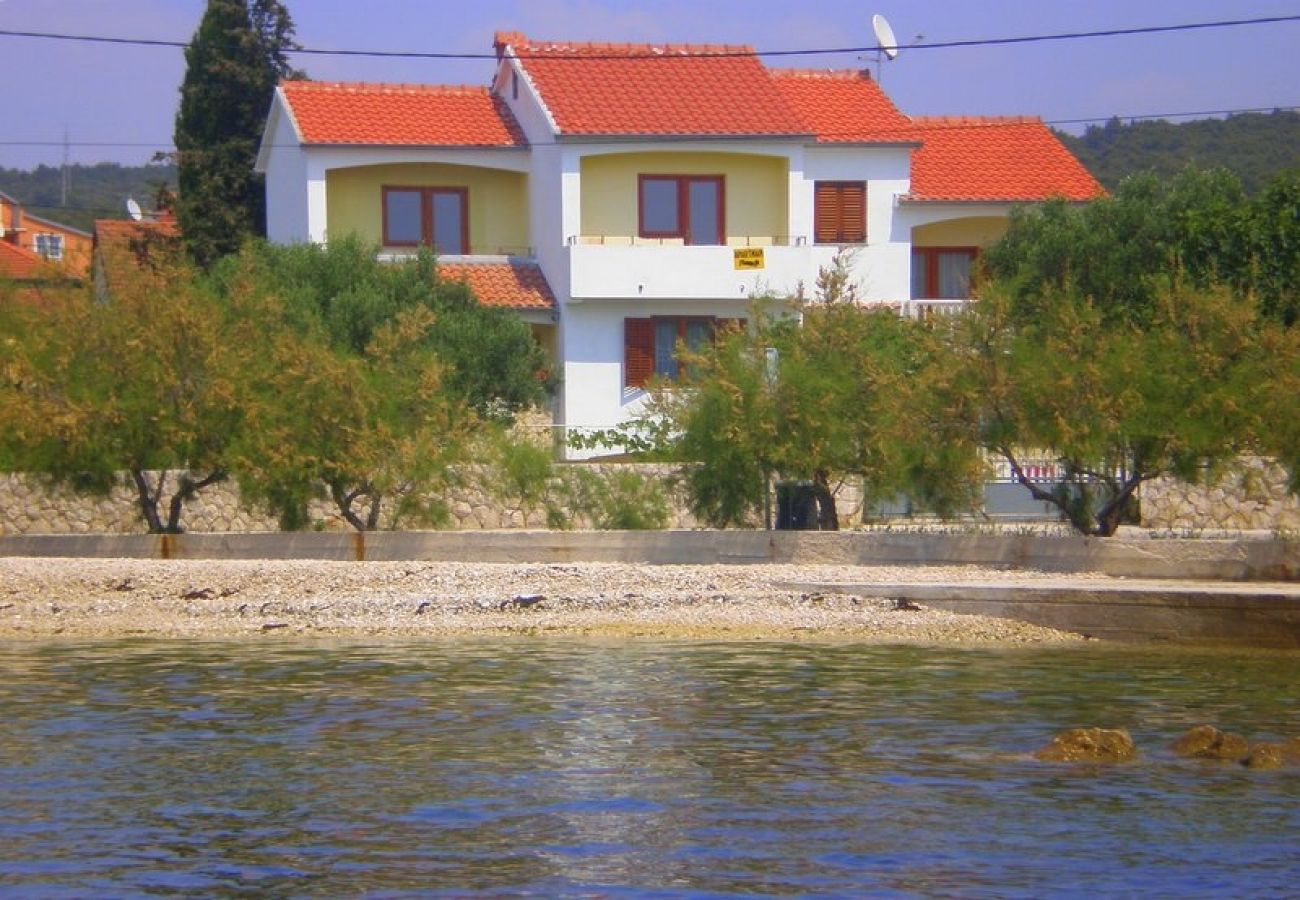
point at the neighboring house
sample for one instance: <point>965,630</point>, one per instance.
<point>652,192</point>
<point>62,245</point>
<point>123,245</point>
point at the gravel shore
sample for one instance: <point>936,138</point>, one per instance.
<point>42,597</point>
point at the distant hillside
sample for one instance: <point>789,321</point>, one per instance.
<point>1256,146</point>
<point>95,192</point>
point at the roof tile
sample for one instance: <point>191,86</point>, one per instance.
<point>513,285</point>
<point>654,89</point>
<point>20,263</point>
<point>330,112</point>
<point>842,105</point>
<point>1013,159</point>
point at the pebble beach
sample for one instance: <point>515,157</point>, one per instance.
<point>113,598</point>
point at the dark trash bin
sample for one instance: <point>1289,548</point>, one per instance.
<point>796,506</point>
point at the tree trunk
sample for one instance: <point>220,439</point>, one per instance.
<point>148,499</point>
<point>828,518</point>
<point>188,489</point>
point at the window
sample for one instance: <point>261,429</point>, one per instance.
<point>650,345</point>
<point>50,246</point>
<point>434,216</point>
<point>840,212</point>
<point>689,207</point>
<point>942,273</point>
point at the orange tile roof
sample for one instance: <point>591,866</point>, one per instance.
<point>330,112</point>
<point>21,263</point>
<point>653,89</point>
<point>1014,159</point>
<point>842,105</point>
<point>121,230</point>
<point>514,285</point>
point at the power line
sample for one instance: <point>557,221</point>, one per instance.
<point>1205,113</point>
<point>816,51</point>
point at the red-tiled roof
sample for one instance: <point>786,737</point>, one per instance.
<point>21,263</point>
<point>330,112</point>
<point>995,159</point>
<point>654,89</point>
<point>842,106</point>
<point>515,285</point>
<point>121,230</point>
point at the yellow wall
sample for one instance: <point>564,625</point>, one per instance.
<point>755,190</point>
<point>498,201</point>
<point>975,232</point>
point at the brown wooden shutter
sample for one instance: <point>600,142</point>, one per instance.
<point>840,212</point>
<point>853,213</point>
<point>638,352</point>
<point>826,213</point>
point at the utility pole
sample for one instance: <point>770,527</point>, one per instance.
<point>67,173</point>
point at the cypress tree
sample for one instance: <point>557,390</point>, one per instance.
<point>233,64</point>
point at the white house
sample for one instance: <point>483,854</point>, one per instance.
<point>625,197</point>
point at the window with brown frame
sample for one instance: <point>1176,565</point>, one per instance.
<point>943,273</point>
<point>840,212</point>
<point>689,207</point>
<point>650,344</point>
<point>436,217</point>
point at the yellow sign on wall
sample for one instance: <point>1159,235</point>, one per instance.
<point>748,257</point>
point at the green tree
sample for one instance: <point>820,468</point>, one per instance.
<point>852,392</point>
<point>1115,404</point>
<point>374,385</point>
<point>142,382</point>
<point>233,63</point>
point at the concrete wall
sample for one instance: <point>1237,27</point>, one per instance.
<point>1213,560</point>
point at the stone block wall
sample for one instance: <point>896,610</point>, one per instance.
<point>31,505</point>
<point>1250,495</point>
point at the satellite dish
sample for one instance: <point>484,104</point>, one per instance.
<point>133,209</point>
<point>885,36</point>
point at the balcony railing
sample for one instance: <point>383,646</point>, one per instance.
<point>629,240</point>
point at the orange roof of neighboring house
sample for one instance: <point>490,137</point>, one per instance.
<point>653,89</point>
<point>515,285</point>
<point>842,106</point>
<point>20,263</point>
<point>116,230</point>
<point>329,112</point>
<point>966,158</point>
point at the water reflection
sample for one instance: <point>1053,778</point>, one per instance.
<point>584,768</point>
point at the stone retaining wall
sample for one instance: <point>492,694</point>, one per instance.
<point>1248,496</point>
<point>30,505</point>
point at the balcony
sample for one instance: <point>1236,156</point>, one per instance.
<point>623,267</point>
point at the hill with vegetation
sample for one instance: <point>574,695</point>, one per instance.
<point>1254,146</point>
<point>94,192</point>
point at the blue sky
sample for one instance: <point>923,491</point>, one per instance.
<point>107,95</point>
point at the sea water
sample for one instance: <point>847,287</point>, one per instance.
<point>582,768</point>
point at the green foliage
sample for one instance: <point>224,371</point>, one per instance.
<point>1254,146</point>
<point>1117,404</point>
<point>525,472</point>
<point>357,387</point>
<point>95,192</point>
<point>233,63</point>
<point>854,391</point>
<point>1125,251</point>
<point>620,500</point>
<point>141,382</point>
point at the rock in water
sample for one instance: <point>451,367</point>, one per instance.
<point>1265,756</point>
<point>1208,742</point>
<point>1089,745</point>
